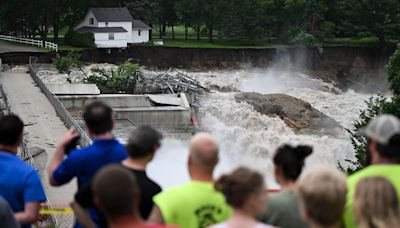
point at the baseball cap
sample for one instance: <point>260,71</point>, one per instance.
<point>382,128</point>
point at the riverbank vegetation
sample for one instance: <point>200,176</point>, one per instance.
<point>375,106</point>
<point>222,23</point>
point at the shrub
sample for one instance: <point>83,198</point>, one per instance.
<point>376,106</point>
<point>394,72</point>
<point>64,64</point>
<point>327,29</point>
<point>116,80</point>
<point>306,39</point>
<point>79,39</point>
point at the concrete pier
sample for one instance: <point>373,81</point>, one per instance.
<point>43,127</point>
<point>160,111</point>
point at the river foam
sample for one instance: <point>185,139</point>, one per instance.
<point>247,137</point>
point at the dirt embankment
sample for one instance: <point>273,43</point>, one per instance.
<point>359,68</point>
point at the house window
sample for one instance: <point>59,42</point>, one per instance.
<point>111,36</point>
<point>106,24</point>
<point>139,32</point>
<point>91,21</point>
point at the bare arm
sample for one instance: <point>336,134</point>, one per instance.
<point>156,215</point>
<point>82,215</point>
<point>30,214</point>
<point>59,155</point>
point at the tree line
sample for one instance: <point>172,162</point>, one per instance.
<point>248,20</point>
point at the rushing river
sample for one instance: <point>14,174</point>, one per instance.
<point>248,138</point>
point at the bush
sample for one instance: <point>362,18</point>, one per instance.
<point>376,106</point>
<point>306,39</point>
<point>66,63</point>
<point>79,39</point>
<point>116,80</point>
<point>327,29</point>
<point>393,68</point>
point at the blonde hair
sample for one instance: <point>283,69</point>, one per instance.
<point>322,192</point>
<point>376,204</point>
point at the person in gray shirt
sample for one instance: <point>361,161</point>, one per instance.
<point>283,207</point>
<point>7,218</point>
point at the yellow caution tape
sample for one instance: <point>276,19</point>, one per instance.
<point>52,211</point>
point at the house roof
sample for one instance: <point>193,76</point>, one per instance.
<point>112,14</point>
<point>100,29</point>
<point>138,24</point>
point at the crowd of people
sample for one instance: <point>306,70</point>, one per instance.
<point>114,190</point>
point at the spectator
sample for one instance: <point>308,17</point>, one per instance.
<point>283,207</point>
<point>142,145</point>
<point>20,185</point>
<point>245,191</point>
<point>376,204</point>
<point>117,193</point>
<point>195,204</point>
<point>84,163</point>
<point>7,218</point>
<point>322,192</point>
<point>383,149</point>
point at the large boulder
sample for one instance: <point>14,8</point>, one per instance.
<point>297,114</point>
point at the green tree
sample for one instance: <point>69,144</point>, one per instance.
<point>371,18</point>
<point>145,10</point>
<point>243,20</point>
<point>375,106</point>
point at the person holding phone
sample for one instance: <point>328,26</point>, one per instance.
<point>83,163</point>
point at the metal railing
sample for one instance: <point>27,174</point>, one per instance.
<point>39,43</point>
<point>24,153</point>
<point>61,111</point>
<point>60,220</point>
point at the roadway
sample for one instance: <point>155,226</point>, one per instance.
<point>6,47</point>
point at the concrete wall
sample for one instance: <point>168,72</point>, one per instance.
<point>137,109</point>
<point>114,101</point>
<point>177,118</point>
<point>143,38</point>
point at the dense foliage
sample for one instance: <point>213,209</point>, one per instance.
<point>64,64</point>
<point>376,105</point>
<point>248,20</point>
<point>115,80</point>
<point>79,39</point>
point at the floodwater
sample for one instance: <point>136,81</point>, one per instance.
<point>248,138</point>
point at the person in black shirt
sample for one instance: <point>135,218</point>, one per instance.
<point>142,145</point>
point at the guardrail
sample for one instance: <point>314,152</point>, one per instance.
<point>61,111</point>
<point>39,43</point>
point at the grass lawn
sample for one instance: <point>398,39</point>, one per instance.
<point>222,43</point>
<point>351,41</point>
<point>218,43</point>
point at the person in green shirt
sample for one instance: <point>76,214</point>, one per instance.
<point>383,146</point>
<point>195,204</point>
<point>283,207</point>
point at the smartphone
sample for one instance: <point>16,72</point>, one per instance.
<point>72,145</point>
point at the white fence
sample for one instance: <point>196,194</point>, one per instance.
<point>39,43</point>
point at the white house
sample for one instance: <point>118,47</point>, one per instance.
<point>113,27</point>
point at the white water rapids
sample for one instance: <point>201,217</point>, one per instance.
<point>247,137</point>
